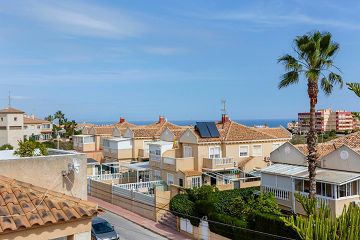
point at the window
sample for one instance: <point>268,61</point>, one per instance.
<point>157,152</point>
<point>39,127</point>
<point>244,151</point>
<point>275,146</point>
<point>306,186</point>
<point>2,119</point>
<point>214,152</point>
<point>195,182</point>
<point>181,182</point>
<point>299,185</point>
<point>15,119</point>
<point>257,150</point>
<point>348,189</point>
<point>187,151</point>
<point>170,178</point>
<point>157,175</point>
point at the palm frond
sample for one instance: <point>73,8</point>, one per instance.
<point>326,86</point>
<point>290,62</point>
<point>355,87</point>
<point>335,79</point>
<point>289,78</point>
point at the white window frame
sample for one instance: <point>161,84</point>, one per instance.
<point>195,182</point>
<point>167,178</point>
<point>214,147</point>
<point>184,151</point>
<point>248,149</point>
<point>253,152</point>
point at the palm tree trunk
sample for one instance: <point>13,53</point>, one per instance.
<point>312,137</point>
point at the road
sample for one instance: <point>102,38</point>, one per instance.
<point>128,230</point>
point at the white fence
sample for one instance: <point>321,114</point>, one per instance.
<point>133,195</point>
<point>319,199</point>
<point>136,186</point>
<point>104,177</point>
<point>278,193</point>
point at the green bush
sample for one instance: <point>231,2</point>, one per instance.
<point>30,148</point>
<point>6,147</point>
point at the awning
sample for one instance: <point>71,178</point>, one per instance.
<point>301,172</point>
<point>141,166</point>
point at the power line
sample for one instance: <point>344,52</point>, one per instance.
<point>198,218</point>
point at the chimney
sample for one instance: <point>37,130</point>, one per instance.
<point>121,120</point>
<point>224,118</point>
<point>162,119</point>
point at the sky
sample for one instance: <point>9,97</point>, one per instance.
<point>99,60</point>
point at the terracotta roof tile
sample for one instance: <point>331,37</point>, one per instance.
<point>154,130</point>
<point>30,120</point>
<point>191,173</point>
<point>233,131</point>
<point>276,132</point>
<point>351,140</point>
<point>23,206</point>
<point>11,110</point>
<point>323,149</point>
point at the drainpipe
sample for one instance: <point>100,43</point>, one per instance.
<point>292,194</point>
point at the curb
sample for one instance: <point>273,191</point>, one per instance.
<point>146,227</point>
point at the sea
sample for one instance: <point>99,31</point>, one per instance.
<point>247,122</point>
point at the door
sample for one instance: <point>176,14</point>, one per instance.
<point>212,180</point>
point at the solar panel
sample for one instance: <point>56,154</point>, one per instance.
<point>203,130</point>
<point>214,132</point>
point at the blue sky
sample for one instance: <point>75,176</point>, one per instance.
<point>98,60</point>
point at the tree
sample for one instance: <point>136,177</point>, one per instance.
<point>60,116</point>
<point>355,87</point>
<point>314,54</point>
<point>30,148</point>
<point>49,118</point>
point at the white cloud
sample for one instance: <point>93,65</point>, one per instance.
<point>276,19</point>
<point>85,19</point>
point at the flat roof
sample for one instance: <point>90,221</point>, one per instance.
<point>141,166</point>
<point>161,142</point>
<point>118,139</point>
<point>322,175</point>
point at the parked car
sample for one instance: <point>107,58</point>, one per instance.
<point>102,230</point>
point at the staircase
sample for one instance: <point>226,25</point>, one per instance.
<point>168,219</point>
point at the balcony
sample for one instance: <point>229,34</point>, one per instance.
<point>218,163</point>
<point>178,164</point>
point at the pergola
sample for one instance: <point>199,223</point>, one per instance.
<point>142,169</point>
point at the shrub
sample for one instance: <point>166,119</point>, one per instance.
<point>30,148</point>
<point>6,147</point>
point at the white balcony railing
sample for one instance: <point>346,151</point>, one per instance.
<point>278,193</point>
<point>222,161</point>
<point>104,177</point>
<point>168,160</point>
<point>320,199</point>
<point>137,185</point>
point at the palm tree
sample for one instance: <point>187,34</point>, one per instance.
<point>355,87</point>
<point>60,116</point>
<point>49,118</point>
<point>314,54</point>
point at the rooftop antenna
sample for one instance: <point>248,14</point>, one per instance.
<point>223,103</point>
<point>9,99</point>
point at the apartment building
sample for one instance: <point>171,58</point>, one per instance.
<point>337,175</point>
<point>42,198</point>
<point>327,120</point>
<point>15,125</point>
<point>213,153</point>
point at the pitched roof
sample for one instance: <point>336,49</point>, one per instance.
<point>11,110</point>
<point>276,132</point>
<point>233,131</point>
<point>124,125</point>
<point>351,140</point>
<point>323,149</point>
<point>24,206</point>
<point>154,130</point>
<point>30,120</point>
<point>104,130</point>
<point>191,173</point>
